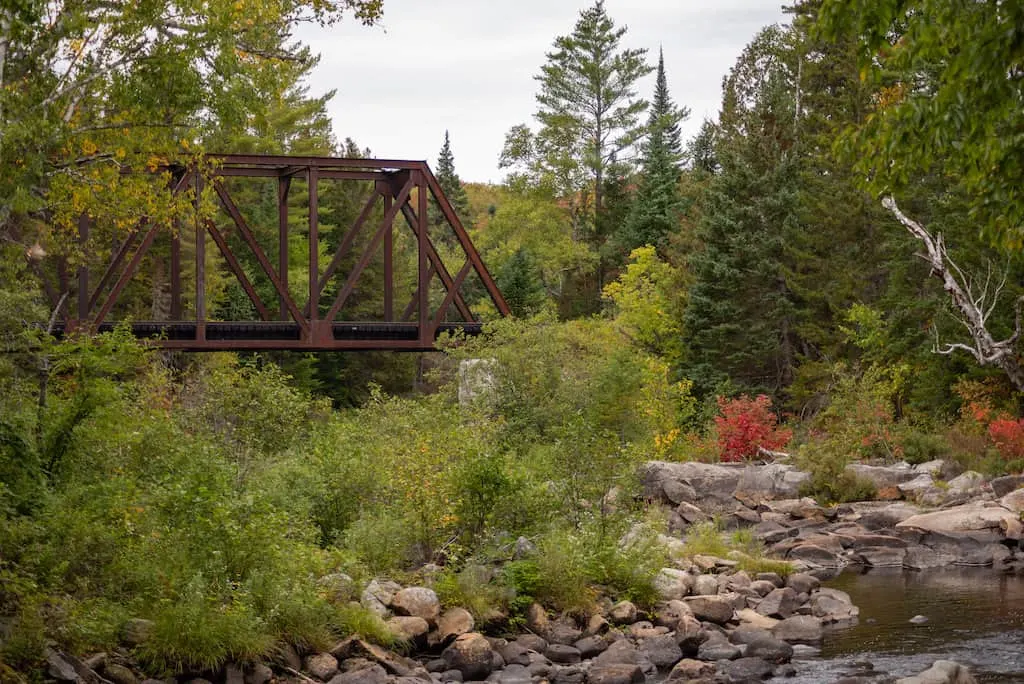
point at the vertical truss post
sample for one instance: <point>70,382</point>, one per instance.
<point>83,270</point>
<point>314,250</point>
<point>283,185</point>
<point>426,335</point>
<point>176,271</point>
<point>389,266</point>
<point>200,265</point>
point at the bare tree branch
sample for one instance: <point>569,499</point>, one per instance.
<point>972,309</point>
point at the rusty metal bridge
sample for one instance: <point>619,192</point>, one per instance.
<point>418,289</point>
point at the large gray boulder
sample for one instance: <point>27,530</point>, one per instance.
<point>941,672</point>
<point>716,609</point>
<point>883,477</point>
<point>979,516</point>
<point>420,602</point>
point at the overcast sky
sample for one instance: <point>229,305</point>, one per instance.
<point>468,66</point>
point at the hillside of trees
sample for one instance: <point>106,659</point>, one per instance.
<point>829,272</point>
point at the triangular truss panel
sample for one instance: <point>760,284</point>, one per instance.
<point>375,276</point>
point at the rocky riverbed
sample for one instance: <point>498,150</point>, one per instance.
<point>713,622</point>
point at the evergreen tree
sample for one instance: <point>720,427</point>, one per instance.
<point>589,116</point>
<point>450,183</point>
<point>740,314</point>
<point>655,212</point>
<point>519,281</point>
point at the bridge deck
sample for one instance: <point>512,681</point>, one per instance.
<point>255,335</point>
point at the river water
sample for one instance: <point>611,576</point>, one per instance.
<point>975,616</point>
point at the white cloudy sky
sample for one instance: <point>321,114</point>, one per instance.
<point>468,65</point>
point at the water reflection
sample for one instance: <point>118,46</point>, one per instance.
<point>975,616</point>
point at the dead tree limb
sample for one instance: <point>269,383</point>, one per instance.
<point>974,308</point>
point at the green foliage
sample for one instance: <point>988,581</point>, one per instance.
<point>920,447</point>
<point>740,313</point>
<point>947,97</point>
<point>354,619</point>
<point>647,303</point>
<point>588,114</point>
<point>195,635</point>
<point>655,211</point>
<point>473,588</point>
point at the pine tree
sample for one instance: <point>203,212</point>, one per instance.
<point>589,115</point>
<point>655,211</point>
<point>450,183</point>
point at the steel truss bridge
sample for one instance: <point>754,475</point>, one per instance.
<point>414,296</point>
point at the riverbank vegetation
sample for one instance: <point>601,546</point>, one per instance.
<point>742,296</point>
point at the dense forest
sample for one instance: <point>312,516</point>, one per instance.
<point>829,272</point>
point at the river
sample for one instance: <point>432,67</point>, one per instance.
<point>974,616</point>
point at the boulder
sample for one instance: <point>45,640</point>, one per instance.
<point>623,613</point>
<point>941,672</point>
<point>716,483</point>
<point>662,650</point>
<point>744,670</point>
<point>453,623</point>
<point>690,634</point>
<point>972,517</point>
<point>717,647</point>
<point>591,646</point>
<point>815,556</point>
<point>515,674</point>
<point>802,583</point>
<point>615,673</point>
<point>759,483</point>
<point>1001,486</point>
<point>323,666</point>
<point>258,673</point>
<point>799,629</point>
<point>672,583</point>
<point>418,602</point>
<point>967,483</point>
<point>374,674</point>
<point>119,674</point>
<point>880,556</point>
<point>780,603</point>
<point>716,609</point>
<point>358,650</point>
<point>1013,501</point>
<point>748,616</point>
<point>408,628</point>
<point>920,557</point>
<point>378,594</point>
<point>883,476</point>
<point>60,667</point>
<point>705,585</point>
<point>769,648</point>
<point>689,669</point>
<point>563,654</point>
<point>833,605</point>
<point>878,516</point>
<point>671,612</point>
<point>471,655</point>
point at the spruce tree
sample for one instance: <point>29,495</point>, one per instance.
<point>450,183</point>
<point>655,211</point>
<point>740,315</point>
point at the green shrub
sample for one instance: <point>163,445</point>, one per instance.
<point>474,589</point>
<point>196,634</point>
<point>921,447</point>
<point>355,620</point>
<point>829,487</point>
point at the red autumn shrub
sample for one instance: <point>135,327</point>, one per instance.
<point>1007,434</point>
<point>746,424</point>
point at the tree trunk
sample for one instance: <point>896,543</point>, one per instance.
<point>974,309</point>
